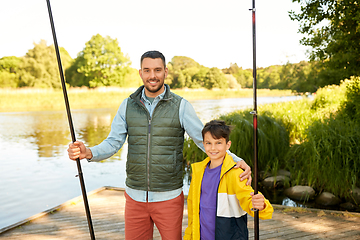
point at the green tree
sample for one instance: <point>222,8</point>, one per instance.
<point>182,71</point>
<point>243,77</point>
<point>39,67</point>
<point>302,77</point>
<point>201,76</point>
<point>233,84</point>
<point>100,63</point>
<point>215,78</point>
<point>269,77</point>
<point>9,67</point>
<point>332,29</point>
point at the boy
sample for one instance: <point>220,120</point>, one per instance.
<point>218,201</point>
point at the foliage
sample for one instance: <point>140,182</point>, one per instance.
<point>39,66</point>
<point>317,140</point>
<point>232,82</point>
<point>243,77</point>
<point>269,151</point>
<point>294,115</point>
<point>295,76</point>
<point>9,67</point>
<point>241,137</point>
<point>331,146</point>
<point>215,79</point>
<point>299,77</point>
<point>351,107</point>
<point>328,159</point>
<point>132,79</point>
<point>100,63</point>
<point>186,72</point>
<point>332,30</point>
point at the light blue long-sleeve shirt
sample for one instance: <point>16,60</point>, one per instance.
<point>117,137</point>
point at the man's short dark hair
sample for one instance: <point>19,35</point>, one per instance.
<point>218,129</point>
<point>153,55</point>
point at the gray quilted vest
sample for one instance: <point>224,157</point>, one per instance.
<point>155,153</point>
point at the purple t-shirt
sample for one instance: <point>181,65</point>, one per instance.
<point>209,187</point>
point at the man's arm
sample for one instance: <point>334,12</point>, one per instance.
<point>193,127</point>
<point>115,139</point>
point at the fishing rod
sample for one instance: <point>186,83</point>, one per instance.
<point>254,113</point>
<point>80,174</point>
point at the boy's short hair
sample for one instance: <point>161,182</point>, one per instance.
<point>153,55</point>
<point>218,129</point>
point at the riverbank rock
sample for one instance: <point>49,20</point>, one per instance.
<point>275,182</point>
<point>348,206</point>
<point>281,172</point>
<point>356,195</point>
<point>263,175</point>
<point>285,173</point>
<point>327,199</point>
<point>300,193</point>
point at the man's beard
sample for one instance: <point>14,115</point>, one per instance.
<point>154,90</point>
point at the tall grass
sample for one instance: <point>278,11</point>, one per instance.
<point>297,116</point>
<point>329,158</point>
<point>325,137</point>
<point>47,99</point>
<point>271,153</point>
<point>317,140</point>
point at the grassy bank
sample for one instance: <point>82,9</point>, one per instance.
<point>317,140</point>
<point>48,99</point>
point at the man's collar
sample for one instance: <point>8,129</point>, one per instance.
<point>160,96</point>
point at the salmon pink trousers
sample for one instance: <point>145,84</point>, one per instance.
<point>141,216</point>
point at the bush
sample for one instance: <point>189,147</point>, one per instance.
<point>352,104</point>
<point>328,160</point>
<point>270,153</point>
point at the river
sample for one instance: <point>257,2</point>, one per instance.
<point>36,173</point>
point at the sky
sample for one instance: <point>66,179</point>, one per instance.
<point>212,32</point>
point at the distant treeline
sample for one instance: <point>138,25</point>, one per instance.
<point>102,63</point>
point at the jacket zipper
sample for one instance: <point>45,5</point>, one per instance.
<point>217,193</point>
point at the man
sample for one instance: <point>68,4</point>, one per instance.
<point>154,119</point>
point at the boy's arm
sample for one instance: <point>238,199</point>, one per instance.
<point>265,206</point>
<point>243,194</point>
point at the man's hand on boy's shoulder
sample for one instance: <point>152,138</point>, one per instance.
<point>247,172</point>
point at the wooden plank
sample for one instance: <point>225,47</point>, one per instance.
<point>68,221</point>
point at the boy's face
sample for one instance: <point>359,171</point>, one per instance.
<point>215,148</point>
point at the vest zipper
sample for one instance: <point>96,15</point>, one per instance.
<point>148,159</point>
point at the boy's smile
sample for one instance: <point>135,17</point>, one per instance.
<point>215,149</point>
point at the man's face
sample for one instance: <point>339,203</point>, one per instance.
<point>153,74</point>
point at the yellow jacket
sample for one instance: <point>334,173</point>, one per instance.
<point>233,202</point>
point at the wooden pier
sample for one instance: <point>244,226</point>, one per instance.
<point>68,221</point>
